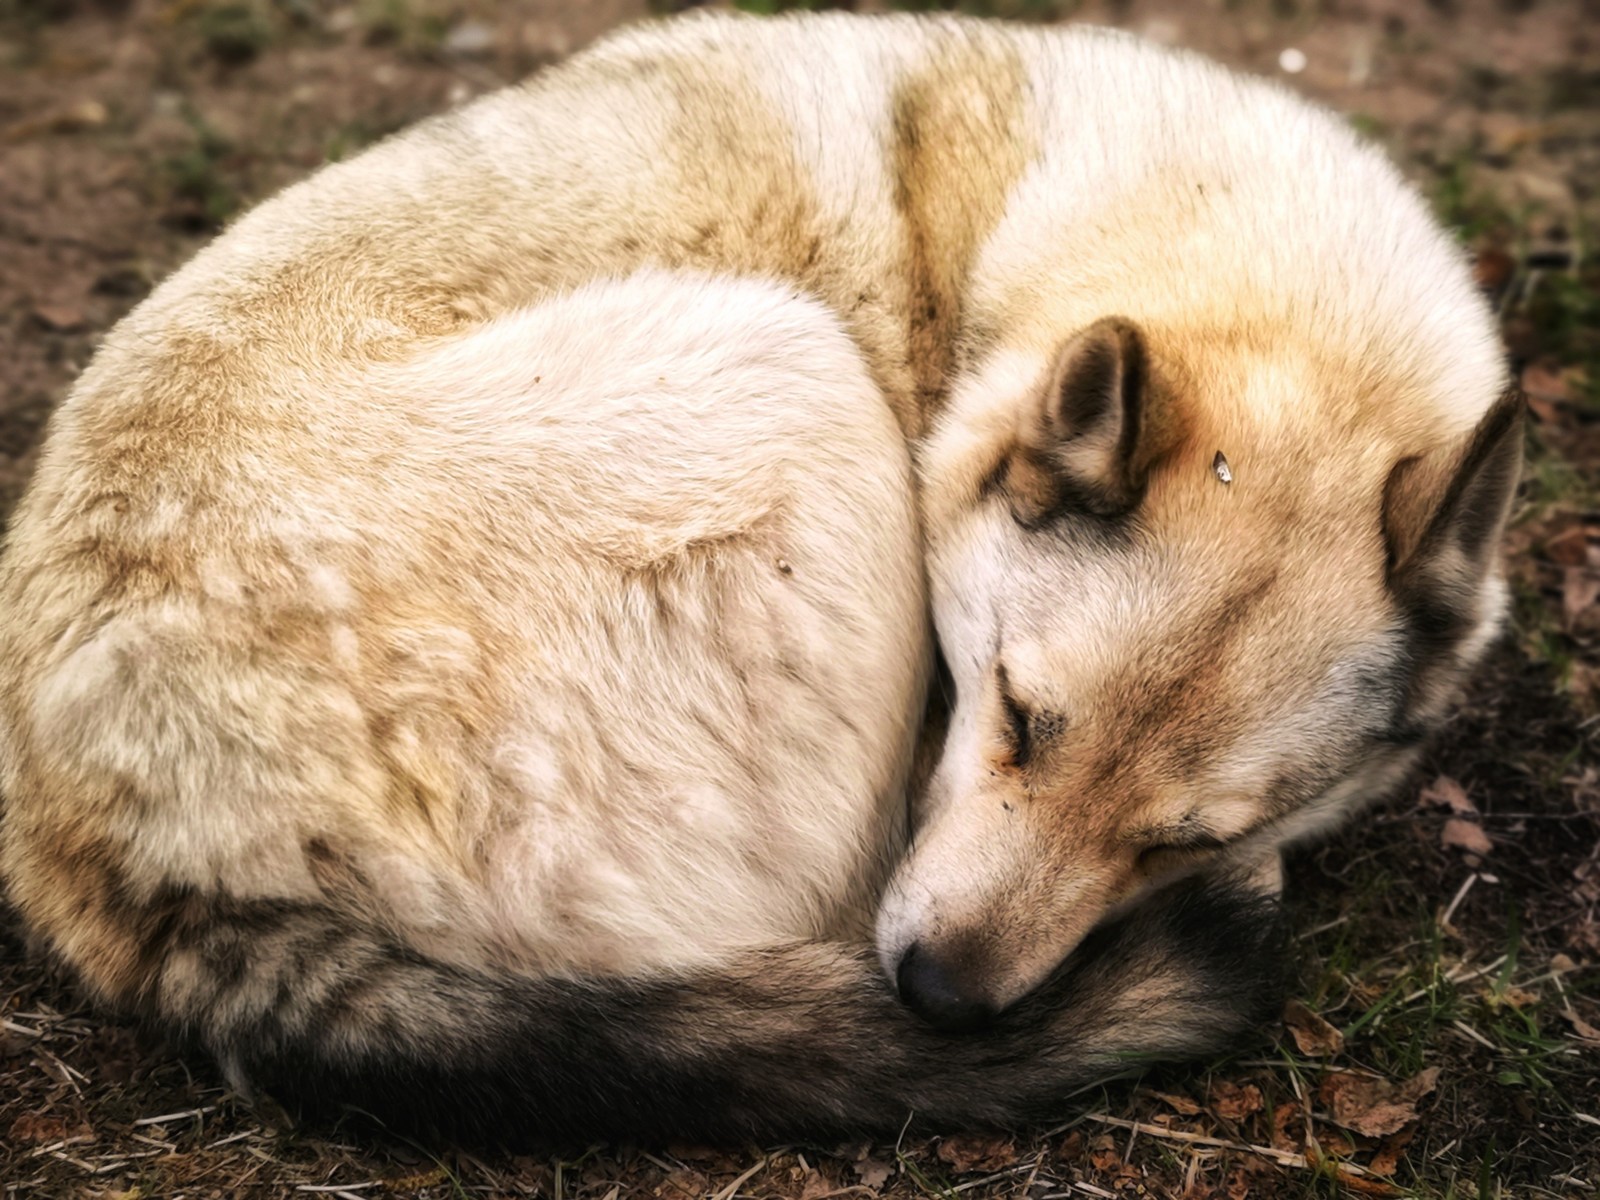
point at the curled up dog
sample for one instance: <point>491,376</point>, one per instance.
<point>465,648</point>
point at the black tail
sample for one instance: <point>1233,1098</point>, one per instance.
<point>806,1040</point>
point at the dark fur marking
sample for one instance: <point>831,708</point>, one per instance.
<point>1103,376</point>
<point>963,115</point>
<point>794,1042</point>
<point>1474,504</point>
<point>322,1009</point>
<point>1436,613</point>
<point>1403,734</point>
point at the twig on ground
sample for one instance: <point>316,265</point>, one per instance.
<point>1461,894</point>
<point>337,1187</point>
<point>727,1193</point>
<point>1450,976</point>
<point>1287,1158</point>
<point>57,1145</point>
<point>176,1116</point>
<point>997,1176</point>
<point>1468,1031</point>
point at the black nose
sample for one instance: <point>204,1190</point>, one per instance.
<point>939,995</point>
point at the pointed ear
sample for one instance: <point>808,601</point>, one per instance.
<point>1077,448</point>
<point>1443,513</point>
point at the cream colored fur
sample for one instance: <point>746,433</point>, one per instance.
<point>370,561</point>
<point>564,632</point>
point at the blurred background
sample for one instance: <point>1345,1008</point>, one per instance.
<point>1444,1038</point>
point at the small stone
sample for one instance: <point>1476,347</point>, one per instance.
<point>342,20</point>
<point>62,318</point>
<point>85,114</point>
<point>470,39</point>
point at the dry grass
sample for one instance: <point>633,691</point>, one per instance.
<point>1446,1041</point>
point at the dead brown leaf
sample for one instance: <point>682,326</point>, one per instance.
<point>1375,1107</point>
<point>37,1127</point>
<point>1468,836</point>
<point>1179,1104</point>
<point>1232,1102</point>
<point>1312,1034</point>
<point>1569,548</point>
<point>1445,792</point>
<point>1421,1084</point>
<point>1585,1031</point>
<point>416,1181</point>
<point>1336,1142</point>
<point>1545,381</point>
<point>1387,1160</point>
<point>873,1172</point>
<point>1360,1185</point>
<point>977,1152</point>
<point>1103,1154</point>
<point>1580,591</point>
<point>1284,1116</point>
<point>1544,410</point>
<point>684,1182</point>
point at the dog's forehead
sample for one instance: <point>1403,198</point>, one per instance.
<point>1270,614</point>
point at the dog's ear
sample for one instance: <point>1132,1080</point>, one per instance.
<point>1077,448</point>
<point>1443,513</point>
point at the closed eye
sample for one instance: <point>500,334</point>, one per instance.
<point>1177,848</point>
<point>1018,728</point>
<point>1180,836</point>
<point>1194,839</point>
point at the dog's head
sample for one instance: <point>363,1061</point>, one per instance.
<point>1193,587</point>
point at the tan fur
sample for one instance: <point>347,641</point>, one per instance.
<point>1211,670</point>
<point>960,143</point>
<point>296,613</point>
<point>513,690</point>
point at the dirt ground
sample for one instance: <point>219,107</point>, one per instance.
<point>1445,1034</point>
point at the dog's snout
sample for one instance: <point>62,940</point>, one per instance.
<point>941,995</point>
